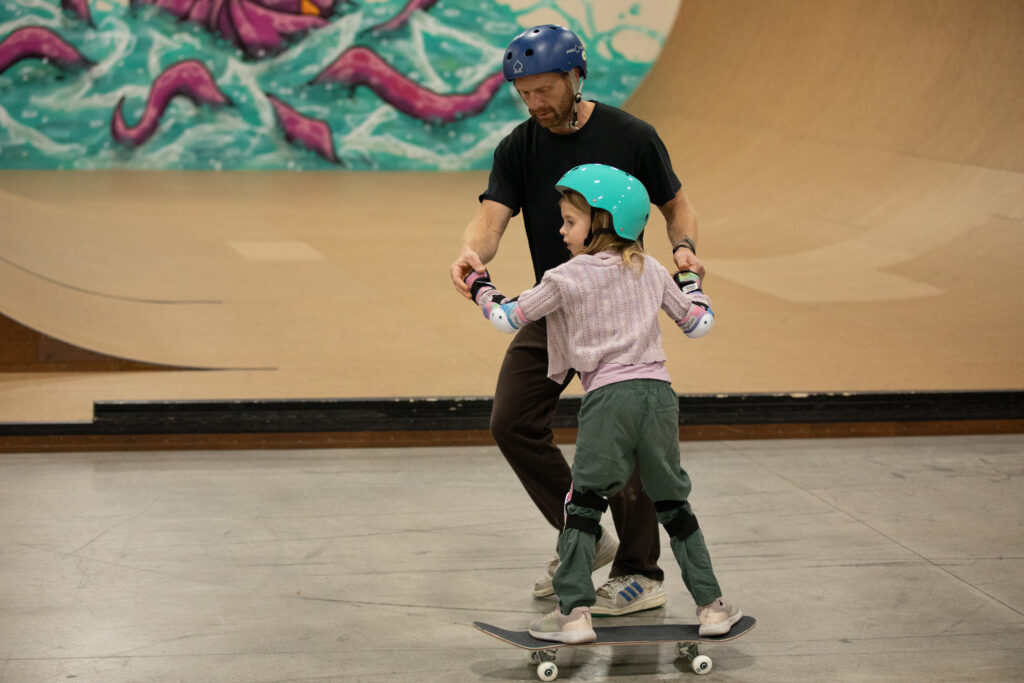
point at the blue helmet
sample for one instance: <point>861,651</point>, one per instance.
<point>617,192</point>
<point>542,49</point>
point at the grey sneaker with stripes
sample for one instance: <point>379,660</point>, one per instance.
<point>628,594</point>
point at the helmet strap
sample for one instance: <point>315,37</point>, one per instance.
<point>595,232</point>
<point>577,88</point>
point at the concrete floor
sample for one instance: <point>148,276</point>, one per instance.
<point>866,559</point>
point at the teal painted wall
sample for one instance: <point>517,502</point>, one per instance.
<point>242,84</point>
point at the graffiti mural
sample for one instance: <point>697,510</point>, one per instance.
<point>287,84</point>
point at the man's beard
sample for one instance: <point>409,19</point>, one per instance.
<point>562,114</point>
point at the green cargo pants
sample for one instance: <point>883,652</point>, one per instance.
<point>616,420</point>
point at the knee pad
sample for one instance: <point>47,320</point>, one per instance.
<point>683,524</point>
<point>585,500</point>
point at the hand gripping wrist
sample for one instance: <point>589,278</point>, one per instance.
<point>483,291</point>
<point>700,318</point>
<point>477,283</point>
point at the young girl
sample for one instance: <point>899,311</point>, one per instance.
<point>602,316</point>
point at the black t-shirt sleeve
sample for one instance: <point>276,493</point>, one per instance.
<point>505,184</point>
<point>654,168</point>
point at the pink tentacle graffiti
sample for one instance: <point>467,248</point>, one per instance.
<point>400,19</point>
<point>362,66</point>
<point>312,133</point>
<point>189,78</point>
<point>37,42</point>
<point>80,8</point>
<point>258,27</point>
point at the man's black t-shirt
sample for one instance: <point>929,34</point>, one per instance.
<point>530,160</point>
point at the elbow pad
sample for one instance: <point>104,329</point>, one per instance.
<point>507,316</point>
<point>698,321</point>
<point>503,313</point>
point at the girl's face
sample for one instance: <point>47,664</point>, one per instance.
<point>575,227</point>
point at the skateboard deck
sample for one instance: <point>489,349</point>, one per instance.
<point>685,637</point>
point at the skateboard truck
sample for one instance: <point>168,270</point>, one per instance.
<point>547,669</point>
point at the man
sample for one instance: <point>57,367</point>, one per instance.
<point>547,65</point>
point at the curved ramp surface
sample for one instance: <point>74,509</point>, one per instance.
<point>858,166</point>
<point>858,169</point>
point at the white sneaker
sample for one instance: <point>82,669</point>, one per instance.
<point>628,594</point>
<point>604,553</point>
<point>574,627</point>
<point>717,618</point>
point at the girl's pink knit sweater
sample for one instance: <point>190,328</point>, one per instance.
<point>599,311</point>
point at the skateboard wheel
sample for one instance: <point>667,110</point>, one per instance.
<point>547,671</point>
<point>701,665</point>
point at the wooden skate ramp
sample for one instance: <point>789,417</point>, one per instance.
<point>858,167</point>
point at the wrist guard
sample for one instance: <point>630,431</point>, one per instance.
<point>700,317</point>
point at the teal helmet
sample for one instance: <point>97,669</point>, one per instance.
<point>617,192</point>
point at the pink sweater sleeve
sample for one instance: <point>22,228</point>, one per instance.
<point>674,302</point>
<point>542,299</point>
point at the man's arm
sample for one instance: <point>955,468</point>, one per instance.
<point>480,242</point>
<point>681,222</point>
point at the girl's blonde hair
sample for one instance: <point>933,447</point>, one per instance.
<point>632,250</point>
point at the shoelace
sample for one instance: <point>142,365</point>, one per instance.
<point>616,585</point>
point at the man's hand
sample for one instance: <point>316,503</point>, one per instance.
<point>687,260</point>
<point>480,243</point>
<point>467,263</point>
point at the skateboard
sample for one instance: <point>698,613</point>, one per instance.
<point>684,636</point>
